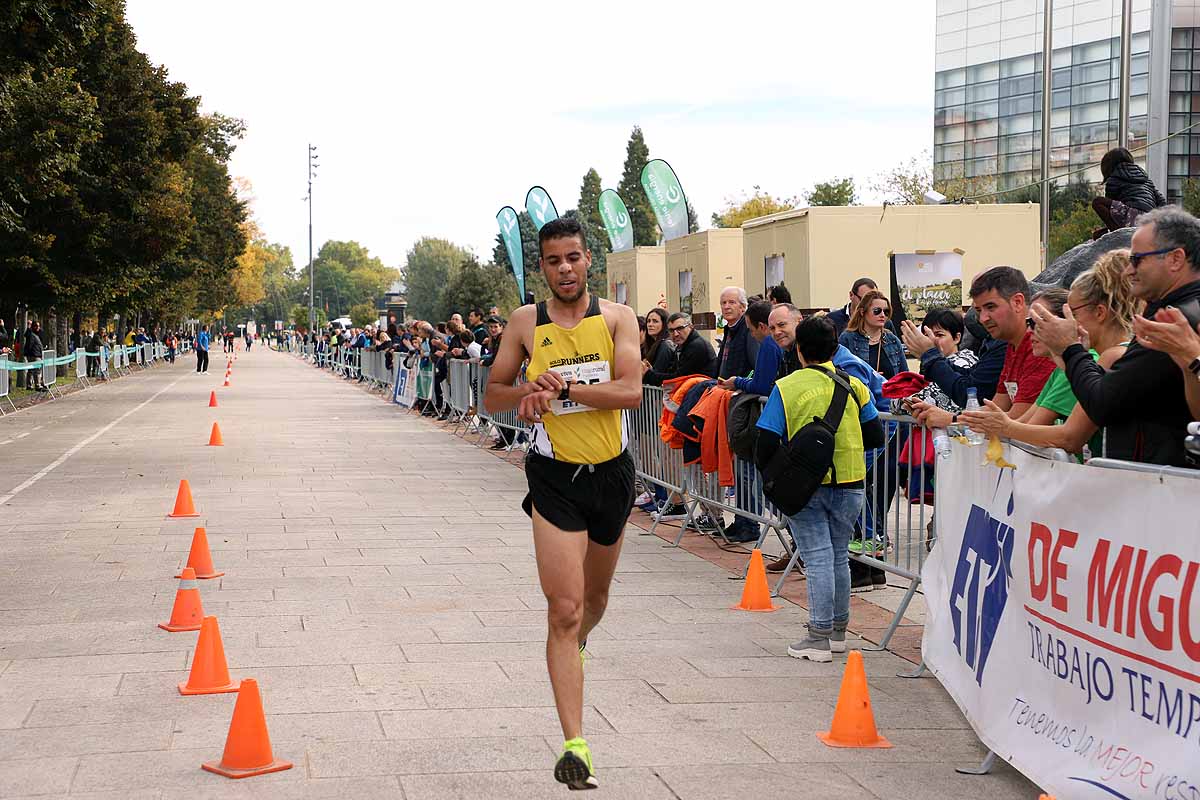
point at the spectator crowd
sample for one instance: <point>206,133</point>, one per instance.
<point>1108,366</point>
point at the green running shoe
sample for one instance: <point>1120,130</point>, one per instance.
<point>574,767</point>
<point>582,660</point>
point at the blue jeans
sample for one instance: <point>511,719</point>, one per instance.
<point>822,531</point>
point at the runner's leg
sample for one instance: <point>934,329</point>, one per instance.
<point>560,559</point>
<point>598,566</point>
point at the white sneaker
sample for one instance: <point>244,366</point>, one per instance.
<point>643,498</point>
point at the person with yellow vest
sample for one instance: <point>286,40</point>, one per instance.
<point>584,370</point>
<point>823,527</point>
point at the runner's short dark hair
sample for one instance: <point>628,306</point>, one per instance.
<point>561,228</point>
<point>1007,281</point>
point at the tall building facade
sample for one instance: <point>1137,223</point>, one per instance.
<point>988,89</point>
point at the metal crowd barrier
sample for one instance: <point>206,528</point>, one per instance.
<point>4,384</point>
<point>46,368</point>
<point>375,371</point>
<point>456,390</point>
<point>510,429</point>
<point>49,370</point>
<point>81,365</point>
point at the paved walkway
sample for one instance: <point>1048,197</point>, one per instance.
<point>381,587</point>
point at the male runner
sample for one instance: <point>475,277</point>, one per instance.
<point>584,368</point>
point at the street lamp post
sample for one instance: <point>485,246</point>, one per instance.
<point>312,166</point>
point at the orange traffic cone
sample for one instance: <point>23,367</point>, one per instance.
<point>212,399</point>
<point>210,673</point>
<point>756,595</point>
<point>183,502</point>
<point>226,384</point>
<point>199,559</point>
<point>853,722</point>
<point>214,439</point>
<point>187,613</point>
<point>248,745</point>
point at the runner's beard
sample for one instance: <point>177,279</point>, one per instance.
<point>569,298</point>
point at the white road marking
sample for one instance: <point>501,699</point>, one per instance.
<point>23,435</point>
<point>38,427</point>
<point>58,461</point>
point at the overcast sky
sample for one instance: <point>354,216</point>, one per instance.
<point>429,117</point>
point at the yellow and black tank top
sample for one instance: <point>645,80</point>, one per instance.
<point>573,432</point>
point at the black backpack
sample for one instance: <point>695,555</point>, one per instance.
<point>799,466</point>
<point>742,424</point>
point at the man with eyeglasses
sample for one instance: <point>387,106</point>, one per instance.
<point>693,354</point>
<point>1007,371</point>
<point>1140,401</point>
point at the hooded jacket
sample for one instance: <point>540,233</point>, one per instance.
<point>1130,184</point>
<point>1140,401</point>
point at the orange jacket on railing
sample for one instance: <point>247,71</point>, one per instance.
<point>674,391</point>
<point>715,455</point>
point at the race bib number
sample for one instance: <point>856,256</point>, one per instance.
<point>1011,388</point>
<point>589,373</point>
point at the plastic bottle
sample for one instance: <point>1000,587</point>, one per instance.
<point>974,437</point>
<point>941,442</point>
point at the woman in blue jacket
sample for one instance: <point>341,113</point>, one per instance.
<point>866,337</point>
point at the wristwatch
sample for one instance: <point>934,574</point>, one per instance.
<point>565,394</point>
<point>1194,367</point>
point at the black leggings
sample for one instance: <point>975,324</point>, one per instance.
<point>201,360</point>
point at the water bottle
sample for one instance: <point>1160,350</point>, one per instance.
<point>941,442</point>
<point>974,437</point>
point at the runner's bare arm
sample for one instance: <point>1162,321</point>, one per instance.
<point>501,394</point>
<point>625,388</point>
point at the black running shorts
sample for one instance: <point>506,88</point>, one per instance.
<point>574,497</point>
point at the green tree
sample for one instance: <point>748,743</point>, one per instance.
<point>589,199</point>
<point>281,284</point>
<point>346,274</point>
<point>833,192</point>
<point>1070,224</point>
<point>142,217</point>
<point>759,204</point>
<point>641,215</point>
<point>299,316</point>
<point>363,314</point>
<point>1191,196</point>
<point>478,285</point>
<point>907,183</point>
<point>428,268</point>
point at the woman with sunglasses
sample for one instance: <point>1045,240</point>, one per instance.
<point>867,337</point>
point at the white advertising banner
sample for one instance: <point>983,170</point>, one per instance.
<point>1064,619</point>
<point>405,390</point>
